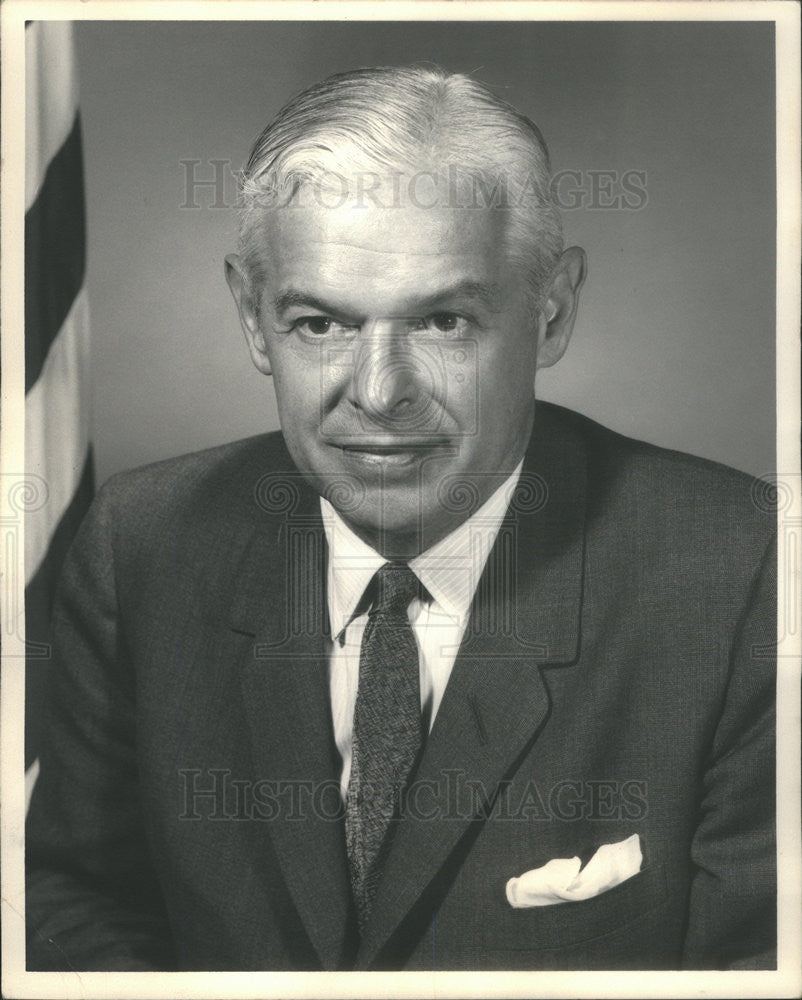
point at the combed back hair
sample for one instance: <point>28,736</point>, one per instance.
<point>402,122</point>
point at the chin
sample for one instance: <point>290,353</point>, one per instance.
<point>384,517</point>
<point>391,522</point>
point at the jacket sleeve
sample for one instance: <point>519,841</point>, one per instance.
<point>92,899</point>
<point>733,901</point>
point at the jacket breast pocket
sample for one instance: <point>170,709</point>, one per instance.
<point>563,925</point>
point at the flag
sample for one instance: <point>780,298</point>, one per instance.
<point>57,389</point>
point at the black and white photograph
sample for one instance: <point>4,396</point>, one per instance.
<point>401,502</point>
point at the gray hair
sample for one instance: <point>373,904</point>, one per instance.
<point>409,118</point>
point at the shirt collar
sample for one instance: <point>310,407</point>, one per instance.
<point>352,564</point>
<point>449,570</point>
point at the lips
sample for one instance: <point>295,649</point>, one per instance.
<point>383,448</point>
<point>389,451</point>
<point>385,439</point>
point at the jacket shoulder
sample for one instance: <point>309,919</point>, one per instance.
<point>613,455</point>
<point>208,503</point>
<point>228,475</point>
<point>223,460</point>
<point>189,518</point>
<point>658,491</point>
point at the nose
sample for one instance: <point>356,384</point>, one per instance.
<point>386,379</point>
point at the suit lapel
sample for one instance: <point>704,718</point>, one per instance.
<point>280,601</point>
<point>525,615</point>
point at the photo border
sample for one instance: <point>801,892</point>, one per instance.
<point>787,980</point>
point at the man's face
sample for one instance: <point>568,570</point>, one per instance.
<point>403,350</point>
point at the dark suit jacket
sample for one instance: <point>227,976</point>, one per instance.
<point>616,678</point>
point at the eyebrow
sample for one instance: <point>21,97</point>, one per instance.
<point>292,297</point>
<point>488,294</point>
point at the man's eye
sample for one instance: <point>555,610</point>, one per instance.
<point>318,326</point>
<point>445,323</point>
<point>322,326</point>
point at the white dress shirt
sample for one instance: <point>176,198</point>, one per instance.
<point>450,572</point>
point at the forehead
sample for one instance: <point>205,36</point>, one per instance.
<point>383,258</point>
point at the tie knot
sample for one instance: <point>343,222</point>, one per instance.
<point>395,587</point>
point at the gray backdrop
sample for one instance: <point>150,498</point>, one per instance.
<point>675,337</point>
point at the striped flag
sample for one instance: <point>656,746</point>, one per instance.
<point>57,390</point>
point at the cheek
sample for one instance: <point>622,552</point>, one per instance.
<point>297,386</point>
<point>506,372</point>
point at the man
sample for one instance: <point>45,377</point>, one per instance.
<point>438,677</point>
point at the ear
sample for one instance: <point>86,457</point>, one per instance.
<point>248,309</point>
<point>559,312</point>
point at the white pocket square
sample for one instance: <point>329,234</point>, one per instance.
<point>560,880</point>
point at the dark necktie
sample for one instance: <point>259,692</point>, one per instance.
<point>387,732</point>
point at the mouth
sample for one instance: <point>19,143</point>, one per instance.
<point>398,452</point>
